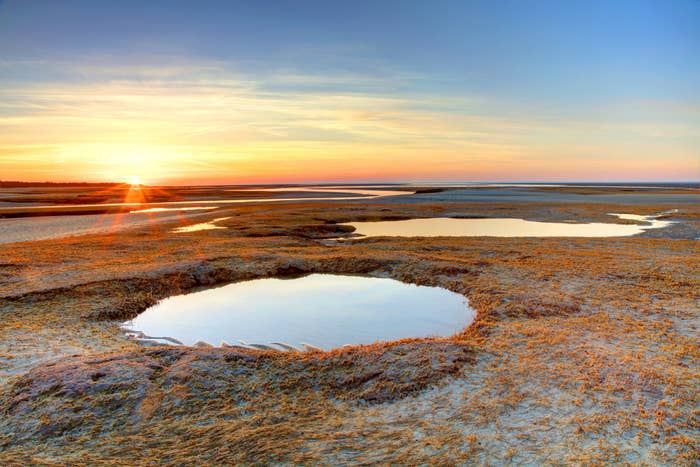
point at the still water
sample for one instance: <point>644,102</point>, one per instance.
<point>211,225</point>
<point>323,310</point>
<point>450,227</point>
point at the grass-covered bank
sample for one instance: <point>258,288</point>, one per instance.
<point>584,350</point>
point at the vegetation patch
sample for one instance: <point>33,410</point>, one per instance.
<point>584,351</point>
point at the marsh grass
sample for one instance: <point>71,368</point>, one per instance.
<point>583,351</point>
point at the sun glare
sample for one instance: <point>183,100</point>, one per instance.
<point>134,181</point>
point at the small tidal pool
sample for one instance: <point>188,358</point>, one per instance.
<point>319,310</point>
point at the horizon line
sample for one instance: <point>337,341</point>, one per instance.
<point>327,183</point>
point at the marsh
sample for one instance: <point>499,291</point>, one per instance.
<point>564,331</point>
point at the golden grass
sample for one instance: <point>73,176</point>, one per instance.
<point>584,351</point>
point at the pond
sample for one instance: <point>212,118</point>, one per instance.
<point>504,227</point>
<point>316,311</point>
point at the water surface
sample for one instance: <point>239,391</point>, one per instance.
<point>305,194</point>
<point>504,227</point>
<point>323,310</point>
<point>210,225</point>
<point>152,210</point>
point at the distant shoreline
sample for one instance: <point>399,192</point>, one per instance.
<point>651,184</point>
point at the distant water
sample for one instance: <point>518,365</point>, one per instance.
<point>145,214</point>
<point>153,210</point>
<point>450,227</point>
<point>307,194</point>
<point>531,194</point>
<point>324,310</point>
<point>43,228</point>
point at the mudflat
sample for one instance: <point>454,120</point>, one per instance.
<point>583,350</point>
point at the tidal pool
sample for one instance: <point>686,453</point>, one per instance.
<point>211,225</point>
<point>319,310</point>
<point>451,227</point>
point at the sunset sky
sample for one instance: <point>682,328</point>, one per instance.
<point>306,91</point>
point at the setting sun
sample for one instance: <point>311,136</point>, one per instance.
<point>133,180</point>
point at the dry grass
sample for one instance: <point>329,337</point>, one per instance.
<point>584,351</point>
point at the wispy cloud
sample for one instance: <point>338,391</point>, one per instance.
<point>171,121</point>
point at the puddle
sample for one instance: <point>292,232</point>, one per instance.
<point>450,227</point>
<point>320,310</point>
<point>211,225</point>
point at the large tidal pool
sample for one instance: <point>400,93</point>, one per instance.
<point>319,310</point>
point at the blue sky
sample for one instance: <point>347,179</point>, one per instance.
<point>593,89</point>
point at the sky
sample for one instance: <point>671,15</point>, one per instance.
<point>206,92</point>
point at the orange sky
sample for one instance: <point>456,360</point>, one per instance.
<point>327,92</point>
<point>197,134</point>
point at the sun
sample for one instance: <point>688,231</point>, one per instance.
<point>134,180</point>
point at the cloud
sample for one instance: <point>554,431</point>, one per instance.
<point>172,118</point>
